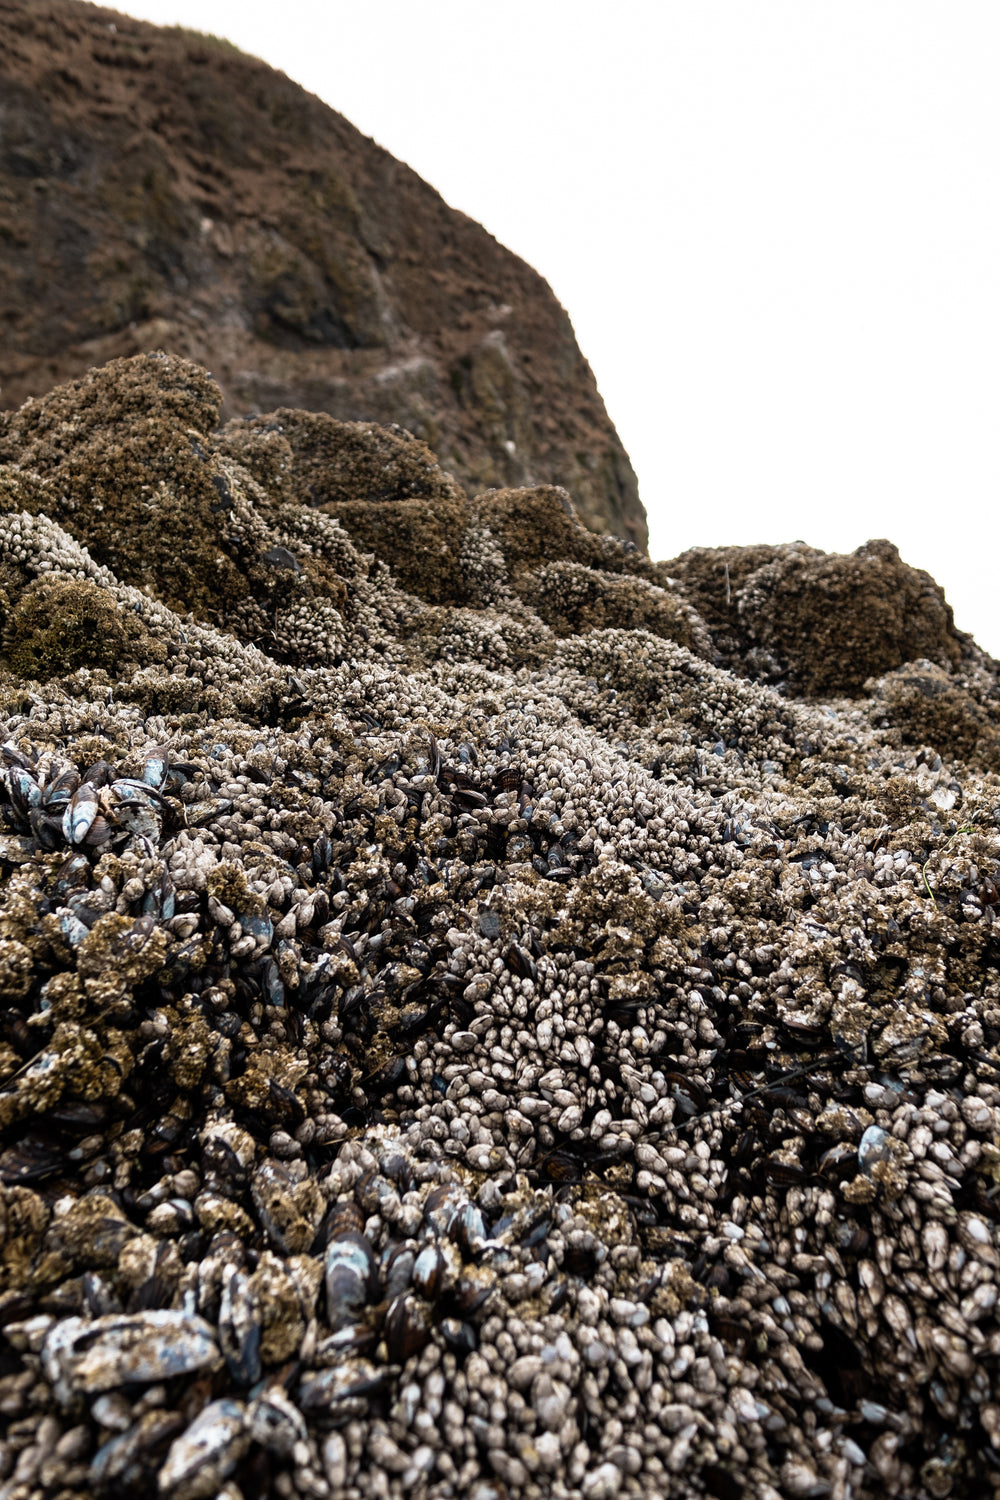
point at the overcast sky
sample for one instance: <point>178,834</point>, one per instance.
<point>775,226</point>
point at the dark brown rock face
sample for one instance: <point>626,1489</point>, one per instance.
<point>161,190</point>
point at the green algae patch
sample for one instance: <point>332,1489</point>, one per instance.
<point>59,625</point>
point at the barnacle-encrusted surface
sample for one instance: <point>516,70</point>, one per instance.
<point>482,1040</point>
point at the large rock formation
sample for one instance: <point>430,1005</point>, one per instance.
<point>161,189</point>
<point>478,1040</point>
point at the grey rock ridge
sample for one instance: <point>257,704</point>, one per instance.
<point>506,1021</point>
<point>160,189</point>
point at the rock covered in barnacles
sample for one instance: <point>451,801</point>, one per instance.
<point>928,705</point>
<point>486,1044</point>
<point>823,622</point>
<point>384,486</point>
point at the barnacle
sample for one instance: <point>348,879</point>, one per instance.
<point>473,1032</point>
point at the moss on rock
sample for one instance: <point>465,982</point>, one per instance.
<point>536,526</point>
<point>390,494</point>
<point>59,625</point>
<point>930,707</point>
<point>131,471</point>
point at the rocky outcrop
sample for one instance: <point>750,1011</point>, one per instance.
<point>468,1036</point>
<point>159,189</point>
<point>822,623</point>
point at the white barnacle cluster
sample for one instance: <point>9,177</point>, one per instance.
<point>44,549</point>
<point>314,631</point>
<point>496,639</point>
<point>511,1066</point>
<point>241,508</point>
<point>484,567</point>
<point>569,596</point>
<point>323,535</point>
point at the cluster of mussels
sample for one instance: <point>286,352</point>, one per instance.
<point>504,1053</point>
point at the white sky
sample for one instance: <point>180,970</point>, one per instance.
<point>776,227</point>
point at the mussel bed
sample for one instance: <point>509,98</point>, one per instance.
<point>444,1052</point>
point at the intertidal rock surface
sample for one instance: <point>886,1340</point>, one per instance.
<point>161,189</point>
<point>481,1014</point>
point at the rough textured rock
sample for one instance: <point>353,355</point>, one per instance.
<point>822,622</point>
<point>162,190</point>
<point>472,1041</point>
<point>929,706</point>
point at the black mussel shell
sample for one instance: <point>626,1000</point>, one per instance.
<point>407,1327</point>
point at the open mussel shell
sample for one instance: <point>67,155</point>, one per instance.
<point>346,1390</point>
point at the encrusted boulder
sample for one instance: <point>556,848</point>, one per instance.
<point>822,622</point>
